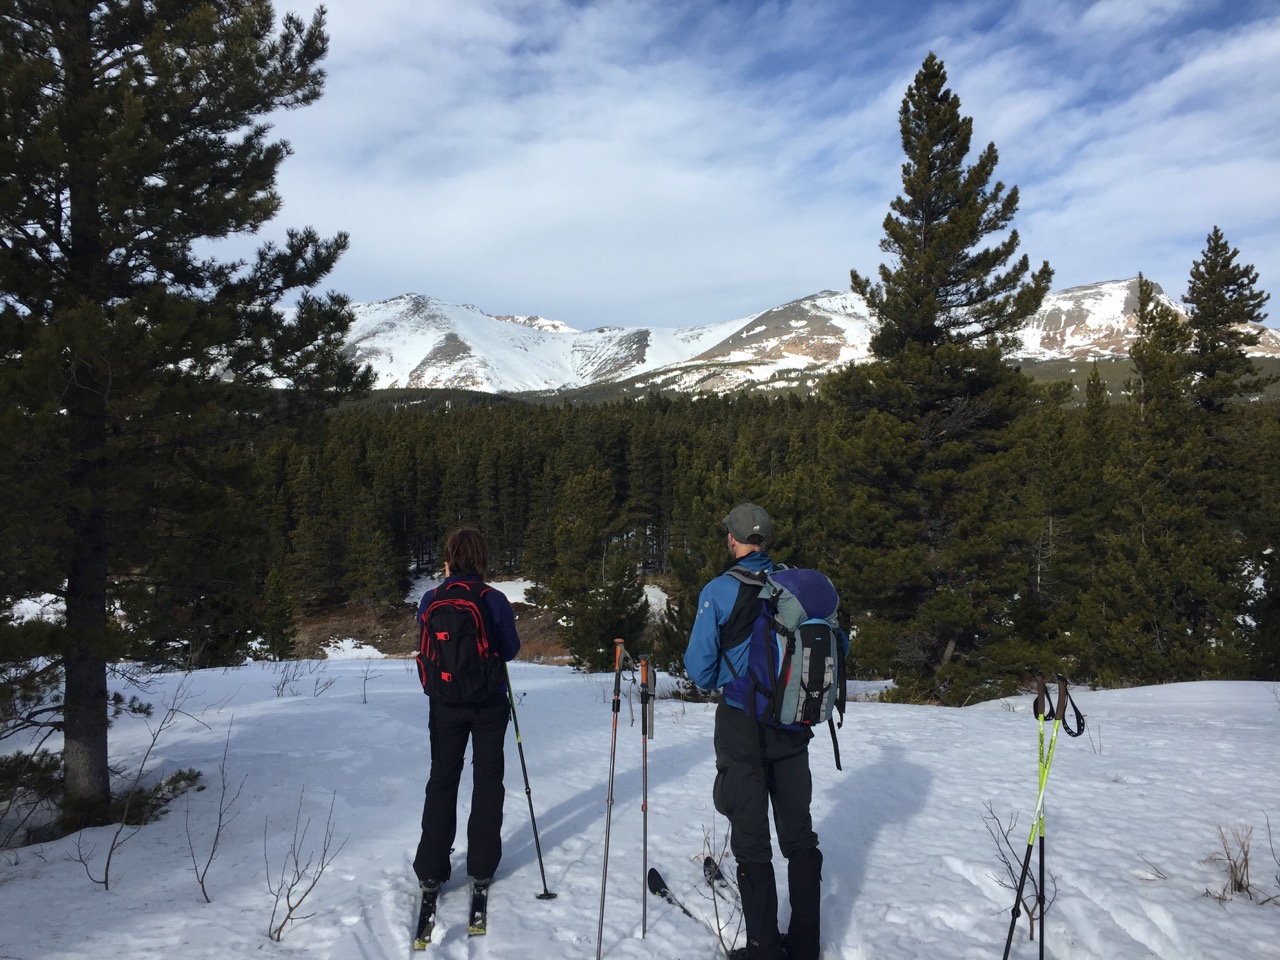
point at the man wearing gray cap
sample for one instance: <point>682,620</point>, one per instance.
<point>757,764</point>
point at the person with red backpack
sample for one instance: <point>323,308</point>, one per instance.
<point>468,635</point>
<point>760,631</point>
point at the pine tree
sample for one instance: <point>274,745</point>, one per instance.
<point>1171,579</point>
<point>130,360</point>
<point>946,287</point>
<point>926,464</point>
<point>1163,374</point>
<point>614,608</point>
<point>1223,298</point>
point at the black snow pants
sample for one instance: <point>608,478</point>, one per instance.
<point>758,766</point>
<point>451,726</point>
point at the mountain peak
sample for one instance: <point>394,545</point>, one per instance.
<point>419,341</point>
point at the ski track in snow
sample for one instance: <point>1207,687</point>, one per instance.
<point>1132,811</point>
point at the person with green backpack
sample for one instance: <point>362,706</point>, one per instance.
<point>767,637</point>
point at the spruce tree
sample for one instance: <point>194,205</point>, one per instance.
<point>1171,579</point>
<point>946,286</point>
<point>1222,298</point>
<point>131,360</point>
<point>924,462</point>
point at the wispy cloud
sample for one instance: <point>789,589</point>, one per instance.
<point>686,161</point>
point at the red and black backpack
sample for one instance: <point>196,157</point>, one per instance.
<point>455,660</point>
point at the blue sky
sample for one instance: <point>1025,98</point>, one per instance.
<point>678,162</point>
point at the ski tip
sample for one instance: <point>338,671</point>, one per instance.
<point>656,883</point>
<point>420,944</point>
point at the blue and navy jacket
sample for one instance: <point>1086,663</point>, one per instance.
<point>727,609</point>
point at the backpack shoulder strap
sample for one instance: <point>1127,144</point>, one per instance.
<point>757,578</point>
<point>741,626</point>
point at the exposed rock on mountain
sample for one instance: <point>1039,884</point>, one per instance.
<point>417,341</point>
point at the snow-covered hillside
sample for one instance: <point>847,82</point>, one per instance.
<point>416,341</point>
<point>1133,813</point>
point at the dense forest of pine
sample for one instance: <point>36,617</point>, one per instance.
<point>1121,542</point>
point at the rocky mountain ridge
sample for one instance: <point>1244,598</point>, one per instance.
<point>418,341</point>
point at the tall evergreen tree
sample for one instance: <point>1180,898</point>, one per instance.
<point>927,465</point>
<point>947,287</point>
<point>1222,298</point>
<point>130,134</point>
<point>1171,581</point>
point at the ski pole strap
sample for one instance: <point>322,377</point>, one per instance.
<point>1064,701</point>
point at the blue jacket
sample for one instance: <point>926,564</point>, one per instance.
<point>499,617</point>
<point>722,600</point>
<point>727,610</point>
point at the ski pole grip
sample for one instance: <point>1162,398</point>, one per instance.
<point>1042,697</point>
<point>618,653</point>
<point>648,695</point>
<point>644,697</point>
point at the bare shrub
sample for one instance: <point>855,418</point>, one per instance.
<point>226,803</point>
<point>300,871</point>
<point>729,923</point>
<point>1235,858</point>
<point>138,806</point>
<point>364,680</point>
<point>1007,851</point>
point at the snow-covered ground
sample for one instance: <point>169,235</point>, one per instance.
<point>912,871</point>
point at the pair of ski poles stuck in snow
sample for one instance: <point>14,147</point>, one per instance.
<point>648,689</point>
<point>1045,710</point>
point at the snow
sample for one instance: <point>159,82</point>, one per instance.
<point>44,607</point>
<point>507,354</point>
<point>1132,814</point>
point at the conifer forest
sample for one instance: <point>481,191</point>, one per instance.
<point>1121,542</point>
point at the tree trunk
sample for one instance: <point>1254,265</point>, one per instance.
<point>87,786</point>
<point>88,372</point>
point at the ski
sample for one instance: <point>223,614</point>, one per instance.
<point>478,925</point>
<point>426,917</point>
<point>658,887</point>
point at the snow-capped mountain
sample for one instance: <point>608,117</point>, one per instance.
<point>1097,321</point>
<point>417,341</point>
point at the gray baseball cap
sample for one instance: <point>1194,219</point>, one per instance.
<point>749,523</point>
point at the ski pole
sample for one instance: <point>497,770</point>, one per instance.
<point>1058,713</point>
<point>1044,710</point>
<point>1041,704</point>
<point>647,687</point>
<point>618,654</point>
<point>528,791</point>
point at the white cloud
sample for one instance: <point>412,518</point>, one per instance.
<point>672,161</point>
